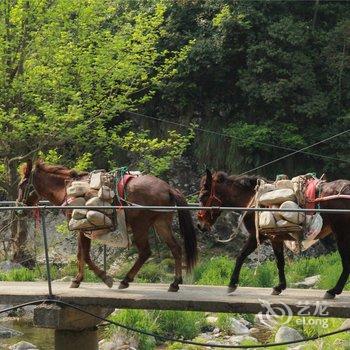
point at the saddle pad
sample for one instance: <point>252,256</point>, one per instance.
<point>310,194</point>
<point>122,184</point>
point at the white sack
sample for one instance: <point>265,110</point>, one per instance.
<point>98,219</point>
<point>79,214</point>
<point>105,193</point>
<point>95,201</point>
<point>77,189</point>
<point>294,217</point>
<point>285,223</point>
<point>78,201</point>
<point>277,197</point>
<point>284,184</point>
<point>78,224</point>
<point>266,220</point>
<point>96,180</point>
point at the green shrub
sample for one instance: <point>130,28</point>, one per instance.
<point>140,319</point>
<point>182,324</point>
<point>152,273</point>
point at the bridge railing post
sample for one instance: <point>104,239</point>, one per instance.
<point>44,232</point>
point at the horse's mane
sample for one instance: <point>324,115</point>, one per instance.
<point>248,182</point>
<point>58,170</point>
<point>243,181</point>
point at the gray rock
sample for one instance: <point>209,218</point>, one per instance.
<point>8,333</point>
<point>287,334</point>
<point>212,320</point>
<point>266,320</point>
<point>9,265</point>
<point>64,279</point>
<point>216,330</point>
<point>345,324</point>
<point>23,345</point>
<point>238,339</point>
<point>107,345</point>
<point>237,327</point>
<point>308,282</point>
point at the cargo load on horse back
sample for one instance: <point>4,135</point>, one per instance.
<point>298,230</point>
<point>93,193</point>
<point>98,190</point>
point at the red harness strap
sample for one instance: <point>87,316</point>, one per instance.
<point>122,184</point>
<point>213,196</point>
<point>310,193</point>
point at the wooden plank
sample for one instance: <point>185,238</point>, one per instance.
<point>194,298</point>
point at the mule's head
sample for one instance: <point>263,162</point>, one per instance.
<point>210,195</point>
<point>26,191</point>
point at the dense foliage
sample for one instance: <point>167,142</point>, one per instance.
<point>262,72</point>
<point>259,72</point>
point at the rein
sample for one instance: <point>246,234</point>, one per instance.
<point>240,223</point>
<point>28,190</point>
<point>212,197</point>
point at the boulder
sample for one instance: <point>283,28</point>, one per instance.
<point>237,327</point>
<point>8,333</point>
<point>64,279</point>
<point>238,339</point>
<point>9,265</point>
<point>285,333</point>
<point>23,345</point>
<point>107,345</point>
<point>308,282</point>
<point>212,320</point>
<point>345,324</point>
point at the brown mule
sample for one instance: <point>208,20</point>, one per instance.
<point>219,189</point>
<point>43,181</point>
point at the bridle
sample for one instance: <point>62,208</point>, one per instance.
<point>28,189</point>
<point>210,200</point>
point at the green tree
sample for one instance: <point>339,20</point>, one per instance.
<point>68,69</point>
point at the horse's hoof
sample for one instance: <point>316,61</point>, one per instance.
<point>173,288</point>
<point>74,284</point>
<point>231,289</point>
<point>328,296</point>
<point>276,291</point>
<point>123,285</point>
<point>108,280</point>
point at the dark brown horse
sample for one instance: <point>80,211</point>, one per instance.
<point>43,181</point>
<point>219,189</point>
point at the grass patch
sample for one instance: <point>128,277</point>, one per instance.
<point>218,270</point>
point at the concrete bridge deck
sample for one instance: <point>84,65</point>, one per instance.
<point>194,298</point>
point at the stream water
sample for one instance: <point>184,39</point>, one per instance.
<point>42,338</point>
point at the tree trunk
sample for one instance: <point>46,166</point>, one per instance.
<point>19,227</point>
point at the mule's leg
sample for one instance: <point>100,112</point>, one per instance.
<point>140,232</point>
<point>86,244</point>
<point>246,250</point>
<point>163,228</point>
<point>80,258</point>
<point>345,259</point>
<point>279,254</point>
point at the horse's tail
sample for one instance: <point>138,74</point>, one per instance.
<point>187,230</point>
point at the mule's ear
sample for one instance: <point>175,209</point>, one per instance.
<point>208,179</point>
<point>28,168</point>
<point>221,177</point>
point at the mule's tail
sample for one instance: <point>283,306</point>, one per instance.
<point>187,230</point>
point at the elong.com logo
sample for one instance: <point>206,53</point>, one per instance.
<point>282,313</point>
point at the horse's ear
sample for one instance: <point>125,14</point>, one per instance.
<point>221,177</point>
<point>27,168</point>
<point>208,179</point>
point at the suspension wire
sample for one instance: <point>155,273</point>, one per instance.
<point>236,137</point>
<point>169,208</point>
<point>167,338</point>
<point>298,151</point>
